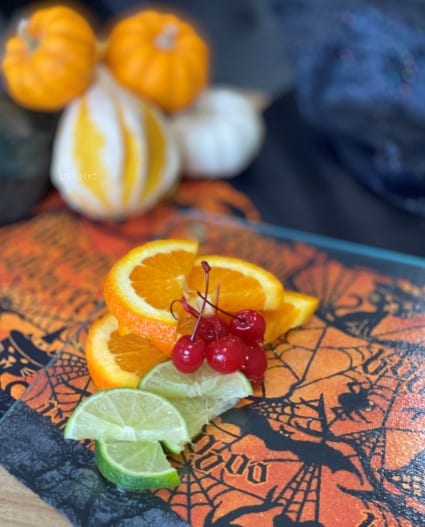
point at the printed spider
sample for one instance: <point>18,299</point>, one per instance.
<point>357,401</point>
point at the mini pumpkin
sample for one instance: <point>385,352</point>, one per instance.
<point>113,154</point>
<point>159,56</point>
<point>50,60</point>
<point>219,135</point>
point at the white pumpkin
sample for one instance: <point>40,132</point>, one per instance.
<point>219,135</point>
<point>114,155</point>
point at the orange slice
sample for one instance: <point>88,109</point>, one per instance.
<point>114,360</point>
<point>140,287</point>
<point>238,284</point>
<point>295,310</point>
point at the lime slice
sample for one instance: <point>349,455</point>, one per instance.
<point>135,465</point>
<point>199,397</point>
<point>127,414</point>
<point>166,380</point>
<point>197,412</point>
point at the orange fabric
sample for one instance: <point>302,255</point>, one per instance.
<point>335,434</point>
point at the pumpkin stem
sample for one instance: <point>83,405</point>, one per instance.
<point>165,40</point>
<point>30,42</point>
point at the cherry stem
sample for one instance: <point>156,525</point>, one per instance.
<point>207,269</point>
<point>206,301</point>
<point>217,295</point>
<point>186,306</point>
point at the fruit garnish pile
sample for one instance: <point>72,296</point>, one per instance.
<point>182,343</point>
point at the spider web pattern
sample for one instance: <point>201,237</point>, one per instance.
<point>317,440</point>
<point>64,383</point>
<point>339,406</point>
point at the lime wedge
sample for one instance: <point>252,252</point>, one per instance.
<point>166,380</point>
<point>199,397</point>
<point>135,465</point>
<point>127,414</point>
<point>199,411</point>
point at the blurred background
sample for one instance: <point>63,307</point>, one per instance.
<point>246,36</point>
<point>344,82</point>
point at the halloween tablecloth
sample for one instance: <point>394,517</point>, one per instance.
<point>335,434</point>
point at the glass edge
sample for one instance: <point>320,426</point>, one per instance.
<point>328,242</point>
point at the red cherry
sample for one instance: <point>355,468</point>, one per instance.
<point>212,328</point>
<point>249,325</point>
<point>226,354</point>
<point>255,362</point>
<point>188,353</point>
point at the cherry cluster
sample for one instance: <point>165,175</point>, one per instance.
<point>228,341</point>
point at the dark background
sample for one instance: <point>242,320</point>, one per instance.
<point>299,179</point>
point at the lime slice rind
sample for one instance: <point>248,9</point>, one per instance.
<point>135,465</point>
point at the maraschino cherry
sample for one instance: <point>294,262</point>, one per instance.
<point>249,325</point>
<point>227,346</point>
<point>226,354</point>
<point>189,350</point>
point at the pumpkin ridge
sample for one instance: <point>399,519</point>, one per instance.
<point>194,77</point>
<point>24,89</point>
<point>132,72</point>
<point>96,138</point>
<point>129,169</point>
<point>149,68</point>
<point>70,60</point>
<point>51,86</point>
<point>187,78</point>
<point>86,42</point>
<point>157,164</point>
<point>68,17</point>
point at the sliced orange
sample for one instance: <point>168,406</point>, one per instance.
<point>305,306</point>
<point>140,287</point>
<point>295,310</point>
<point>236,283</point>
<point>114,360</point>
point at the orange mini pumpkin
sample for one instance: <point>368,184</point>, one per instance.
<point>50,60</point>
<point>159,56</point>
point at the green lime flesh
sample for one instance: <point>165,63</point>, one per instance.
<point>127,414</point>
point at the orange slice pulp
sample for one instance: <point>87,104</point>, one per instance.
<point>114,360</point>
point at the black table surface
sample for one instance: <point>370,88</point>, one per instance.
<point>299,182</point>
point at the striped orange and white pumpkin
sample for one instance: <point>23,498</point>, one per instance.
<point>114,154</point>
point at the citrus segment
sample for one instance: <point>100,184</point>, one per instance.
<point>126,414</point>
<point>294,311</point>
<point>114,360</point>
<point>279,321</point>
<point>238,284</point>
<point>135,465</point>
<point>305,305</point>
<point>140,287</point>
